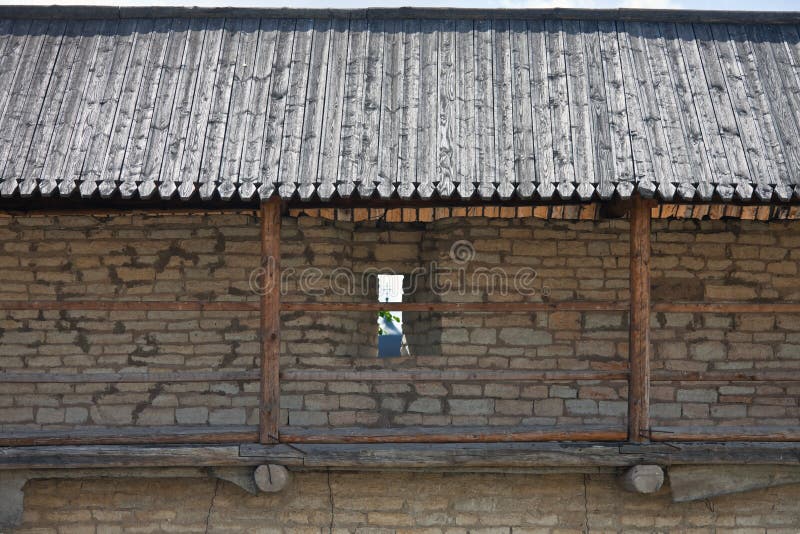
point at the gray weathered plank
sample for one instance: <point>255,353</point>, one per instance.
<point>32,108</point>
<point>328,169</point>
<point>581,127</point>
<point>191,159</point>
<point>622,155</point>
<point>350,160</point>
<point>163,107</point>
<point>486,162</point>
<point>524,160</point>
<point>315,104</point>
<point>211,159</point>
<point>238,109</point>
<point>258,109</point>
<point>446,126</point>
<point>599,113</point>
<point>295,109</point>
<point>541,110</point>
<point>503,111</point>
<point>98,146</point>
<point>722,169</point>
<point>427,165</point>
<point>141,120</point>
<point>371,109</point>
<point>407,136</point>
<point>391,99</point>
<point>724,112</point>
<point>175,144</point>
<point>559,104</point>
<point>754,87</point>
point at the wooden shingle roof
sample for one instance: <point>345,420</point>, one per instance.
<point>399,104</point>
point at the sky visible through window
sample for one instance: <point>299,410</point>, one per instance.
<point>727,5</point>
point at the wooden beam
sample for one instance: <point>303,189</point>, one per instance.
<point>125,305</point>
<point>727,307</point>
<point>130,435</point>
<point>726,433</point>
<point>128,378</point>
<point>269,413</point>
<point>455,306</point>
<point>724,376</point>
<point>639,345</point>
<point>450,375</point>
<point>444,434</point>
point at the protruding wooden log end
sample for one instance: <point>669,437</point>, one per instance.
<point>643,479</point>
<point>271,478</point>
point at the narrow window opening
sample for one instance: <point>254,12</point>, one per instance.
<point>390,323</point>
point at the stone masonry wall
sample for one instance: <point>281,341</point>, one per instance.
<point>212,257</point>
<point>384,503</point>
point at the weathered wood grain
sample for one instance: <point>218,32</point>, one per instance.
<point>395,106</point>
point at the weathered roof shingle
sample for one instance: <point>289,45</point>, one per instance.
<point>341,105</point>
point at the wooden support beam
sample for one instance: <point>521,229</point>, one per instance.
<point>452,434</point>
<point>270,320</point>
<point>125,305</point>
<point>727,307</point>
<point>450,375</point>
<point>128,378</point>
<point>726,433</point>
<point>130,435</point>
<point>639,345</point>
<point>455,306</point>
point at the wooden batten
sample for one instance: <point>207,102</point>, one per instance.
<point>639,345</point>
<point>270,321</point>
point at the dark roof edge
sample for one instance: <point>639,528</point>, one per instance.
<point>644,15</point>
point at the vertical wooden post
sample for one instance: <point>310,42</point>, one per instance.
<point>270,320</point>
<point>639,346</point>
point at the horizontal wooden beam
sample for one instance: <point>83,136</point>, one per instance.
<point>130,435</point>
<point>447,375</point>
<point>453,306</point>
<point>725,376</point>
<point>451,434</point>
<point>124,305</point>
<point>123,378</point>
<point>394,456</point>
<point>727,307</point>
<point>726,433</point>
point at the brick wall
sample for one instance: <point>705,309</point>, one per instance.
<point>396,503</point>
<point>212,257</point>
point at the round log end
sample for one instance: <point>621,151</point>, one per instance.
<point>643,479</point>
<point>271,478</point>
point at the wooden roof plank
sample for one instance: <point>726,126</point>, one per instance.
<point>446,118</point>
<point>774,149</point>
<point>328,167</point>
<point>136,147</point>
<point>391,108</point>
<point>427,164</point>
<point>523,150</point>
<point>190,160</point>
<point>599,113</point>
<point>583,140</point>
<point>540,106</point>
<point>350,145</point>
<point>51,108</point>
<point>315,104</point>
<point>98,146</point>
<point>486,164</point>
<point>289,162</point>
<point>178,130</point>
<point>213,144</point>
<point>563,157</point>
<point>503,110</point>
<point>239,110</point>
<point>465,109</point>
<point>32,108</point>
<point>174,57</point>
